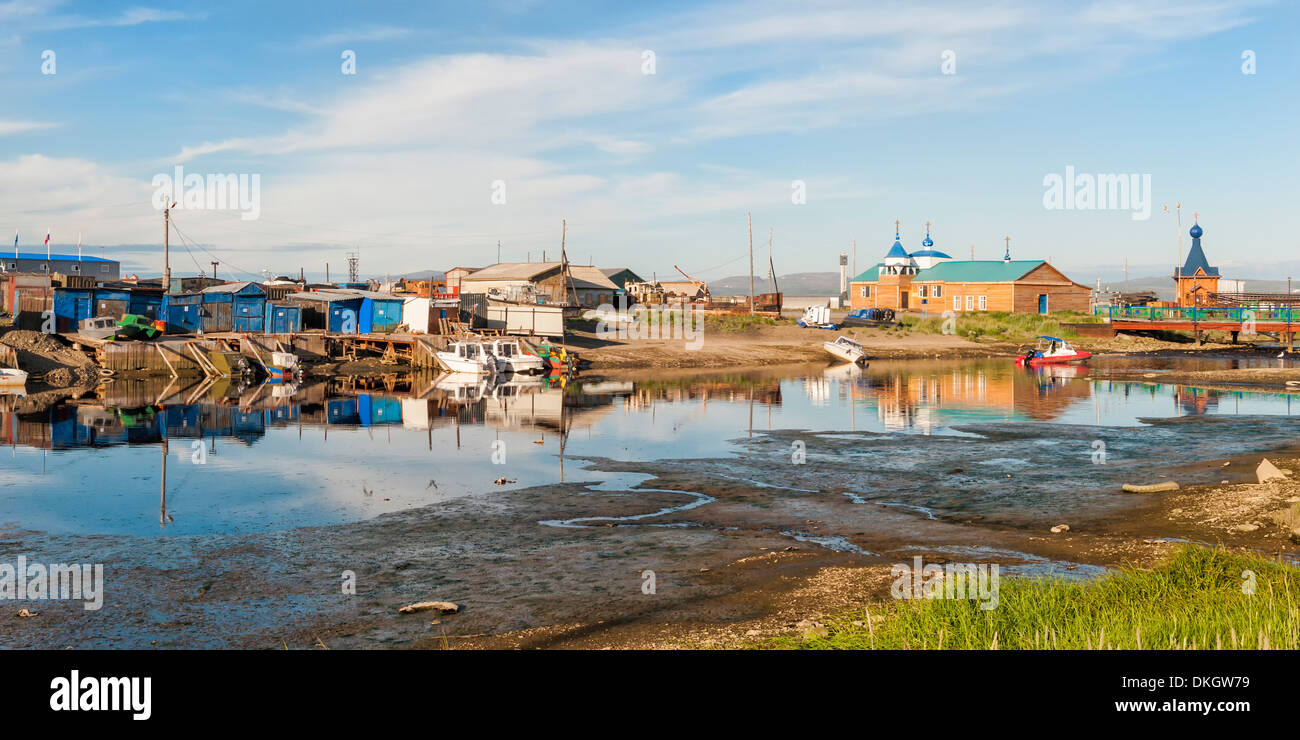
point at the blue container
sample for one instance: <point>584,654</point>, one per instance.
<point>283,318</point>
<point>183,313</point>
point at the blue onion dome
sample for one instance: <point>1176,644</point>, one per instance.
<point>927,242</point>
<point>1196,231</point>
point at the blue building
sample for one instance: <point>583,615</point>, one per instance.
<point>239,307</point>
<point>283,318</point>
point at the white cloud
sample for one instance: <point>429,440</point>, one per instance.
<point>21,127</point>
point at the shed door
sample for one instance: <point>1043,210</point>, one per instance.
<point>116,309</point>
<point>1042,303</point>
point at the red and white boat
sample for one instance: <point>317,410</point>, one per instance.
<point>1052,351</point>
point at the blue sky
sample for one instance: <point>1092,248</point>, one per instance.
<point>399,160</point>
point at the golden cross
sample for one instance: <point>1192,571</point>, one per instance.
<point>1008,241</point>
<point>895,226</point>
<point>927,228</point>
<point>1196,216</point>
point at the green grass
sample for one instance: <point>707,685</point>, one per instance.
<point>740,322</point>
<point>1194,600</point>
<point>998,325</point>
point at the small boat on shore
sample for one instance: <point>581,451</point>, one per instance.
<point>12,376</point>
<point>1051,351</point>
<point>847,349</point>
<point>98,327</point>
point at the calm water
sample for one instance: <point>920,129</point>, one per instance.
<point>254,460</point>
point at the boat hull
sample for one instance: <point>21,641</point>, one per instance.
<point>1054,359</point>
<point>12,376</point>
<point>857,357</point>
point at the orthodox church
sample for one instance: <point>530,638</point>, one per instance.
<point>931,280</point>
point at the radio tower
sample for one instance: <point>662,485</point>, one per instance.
<point>353,260</point>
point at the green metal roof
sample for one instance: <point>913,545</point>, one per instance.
<point>871,274</point>
<point>978,271</point>
<point>966,271</point>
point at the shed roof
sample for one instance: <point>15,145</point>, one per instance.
<point>232,287</point>
<point>513,271</point>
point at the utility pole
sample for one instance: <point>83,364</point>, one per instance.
<point>771,267</point>
<point>498,251</point>
<point>750,220</point>
<point>214,270</point>
<point>167,236</point>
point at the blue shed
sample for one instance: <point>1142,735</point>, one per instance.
<point>145,302</point>
<point>183,313</point>
<point>71,305</point>
<point>329,311</point>
<point>234,307</point>
<point>379,312</point>
<point>283,318</point>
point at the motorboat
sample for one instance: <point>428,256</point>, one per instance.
<point>12,376</point>
<point>98,327</point>
<point>1051,351</point>
<point>283,366</point>
<point>513,358</point>
<point>468,356</point>
<point>847,349</point>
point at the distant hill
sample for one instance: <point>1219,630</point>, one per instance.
<point>423,275</point>
<point>796,283</point>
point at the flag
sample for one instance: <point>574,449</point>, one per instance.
<point>47,244</point>
<point>15,245</point>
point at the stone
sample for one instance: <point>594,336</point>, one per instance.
<point>1060,528</point>
<point>1267,471</point>
<point>1244,527</point>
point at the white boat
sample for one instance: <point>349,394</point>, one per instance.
<point>513,358</point>
<point>468,356</point>
<point>98,327</point>
<point>12,376</point>
<point>846,349</point>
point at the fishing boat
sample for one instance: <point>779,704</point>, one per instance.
<point>1052,351</point>
<point>847,349</point>
<point>513,358</point>
<point>468,356</point>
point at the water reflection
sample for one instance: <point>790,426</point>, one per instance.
<point>257,457</point>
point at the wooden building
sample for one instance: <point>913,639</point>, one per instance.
<point>932,281</point>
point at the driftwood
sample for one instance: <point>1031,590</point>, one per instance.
<point>1153,488</point>
<point>446,607</point>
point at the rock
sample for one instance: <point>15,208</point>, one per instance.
<point>446,607</point>
<point>1060,528</point>
<point>503,481</point>
<point>753,633</point>
<point>1244,527</point>
<point>1267,471</point>
<point>1152,488</point>
<point>27,615</point>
